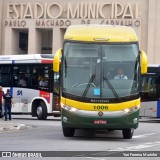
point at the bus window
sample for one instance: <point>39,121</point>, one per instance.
<point>21,76</point>
<point>5,76</point>
<point>149,88</point>
<point>40,76</point>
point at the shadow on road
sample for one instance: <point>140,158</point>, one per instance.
<point>35,119</point>
<point>149,120</point>
<point>100,135</point>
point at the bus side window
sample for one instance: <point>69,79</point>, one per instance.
<point>5,76</point>
<point>6,80</point>
<point>150,85</point>
<point>40,76</point>
<point>149,88</point>
<point>158,86</point>
<point>23,81</point>
<point>21,76</point>
<point>56,82</point>
<point>15,80</point>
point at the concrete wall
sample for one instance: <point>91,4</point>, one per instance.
<point>1,25</point>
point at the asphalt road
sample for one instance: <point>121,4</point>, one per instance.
<point>47,136</point>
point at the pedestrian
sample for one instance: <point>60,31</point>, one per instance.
<point>8,102</point>
<point>1,100</point>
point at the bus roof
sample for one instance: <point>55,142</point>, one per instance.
<point>100,33</point>
<point>154,65</point>
<point>153,68</point>
<point>30,58</point>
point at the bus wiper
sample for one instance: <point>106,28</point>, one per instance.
<point>112,88</point>
<point>65,67</point>
<point>88,85</point>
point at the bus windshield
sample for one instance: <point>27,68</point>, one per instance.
<point>100,70</point>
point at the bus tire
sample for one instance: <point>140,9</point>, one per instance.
<point>127,133</point>
<point>68,132</point>
<point>41,111</point>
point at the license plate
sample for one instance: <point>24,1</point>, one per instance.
<point>100,122</point>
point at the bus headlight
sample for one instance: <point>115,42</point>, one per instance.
<point>68,108</point>
<point>131,110</point>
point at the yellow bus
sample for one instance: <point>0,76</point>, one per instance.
<point>93,93</point>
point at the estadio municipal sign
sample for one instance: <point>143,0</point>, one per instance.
<point>63,15</point>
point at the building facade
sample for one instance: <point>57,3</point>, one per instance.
<point>38,26</point>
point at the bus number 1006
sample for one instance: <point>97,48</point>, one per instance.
<point>100,107</point>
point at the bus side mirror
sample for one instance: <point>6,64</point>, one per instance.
<point>144,62</point>
<point>56,60</point>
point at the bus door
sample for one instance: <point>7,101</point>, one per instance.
<point>150,94</point>
<point>21,73</point>
<point>56,92</point>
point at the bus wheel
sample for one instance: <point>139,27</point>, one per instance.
<point>68,132</point>
<point>128,133</point>
<point>41,111</point>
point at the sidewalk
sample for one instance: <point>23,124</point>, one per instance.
<point>9,126</point>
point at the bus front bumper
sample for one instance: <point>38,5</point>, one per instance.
<point>116,120</point>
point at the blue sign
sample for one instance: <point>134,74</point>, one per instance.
<point>97,92</point>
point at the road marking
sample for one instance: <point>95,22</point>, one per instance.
<point>138,147</point>
<point>94,158</point>
<point>143,135</point>
<point>131,148</point>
